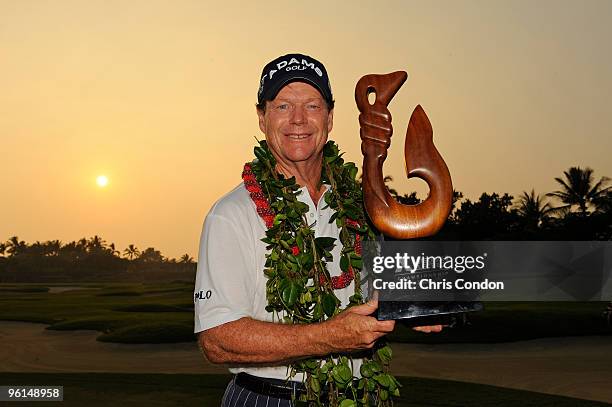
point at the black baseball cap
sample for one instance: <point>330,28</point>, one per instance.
<point>293,68</point>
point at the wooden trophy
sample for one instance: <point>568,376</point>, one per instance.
<point>423,160</point>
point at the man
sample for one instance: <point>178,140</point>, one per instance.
<point>295,113</point>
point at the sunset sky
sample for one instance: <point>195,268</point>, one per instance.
<point>158,96</point>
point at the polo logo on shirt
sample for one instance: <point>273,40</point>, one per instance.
<point>202,295</point>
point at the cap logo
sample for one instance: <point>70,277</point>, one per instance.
<point>298,65</point>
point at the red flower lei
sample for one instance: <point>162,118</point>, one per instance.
<point>264,210</point>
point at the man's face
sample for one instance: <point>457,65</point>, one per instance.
<point>296,124</point>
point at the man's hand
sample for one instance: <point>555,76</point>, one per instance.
<point>355,328</point>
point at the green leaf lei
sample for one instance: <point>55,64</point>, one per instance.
<point>299,285</point>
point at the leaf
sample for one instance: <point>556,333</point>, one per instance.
<point>317,312</point>
<point>328,149</point>
<point>348,403</point>
<point>357,263</point>
<point>293,215</point>
<point>352,213</point>
<point>385,354</point>
<point>290,294</point>
<point>328,198</point>
<point>330,160</point>
<point>283,283</point>
<point>314,384</point>
<point>299,240</point>
<point>392,385</point>
<point>376,366</point>
<point>342,374</point>
<point>383,379</point>
<point>312,363</point>
<point>352,170</point>
<point>355,299</point>
<point>301,207</point>
<point>260,153</point>
<point>344,263</point>
<point>323,243</point>
<point>384,394</point>
<point>366,370</point>
<point>333,217</point>
<point>307,260</point>
<point>329,304</point>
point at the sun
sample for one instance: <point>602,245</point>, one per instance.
<point>102,181</point>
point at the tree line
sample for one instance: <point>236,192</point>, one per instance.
<point>87,258</point>
<point>581,209</point>
<point>83,248</point>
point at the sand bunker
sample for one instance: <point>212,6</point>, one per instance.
<point>28,347</point>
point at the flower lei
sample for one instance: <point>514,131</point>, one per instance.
<point>266,213</point>
<point>299,284</point>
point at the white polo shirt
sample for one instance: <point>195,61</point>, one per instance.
<point>230,283</point>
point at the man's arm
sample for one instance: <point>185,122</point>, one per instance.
<point>248,341</point>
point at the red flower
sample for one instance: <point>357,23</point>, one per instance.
<point>295,250</point>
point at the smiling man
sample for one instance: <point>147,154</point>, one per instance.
<point>235,320</point>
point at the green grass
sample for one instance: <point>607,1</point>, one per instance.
<point>24,289</point>
<point>158,332</point>
<point>153,308</point>
<point>163,313</point>
<point>125,313</point>
<point>157,390</point>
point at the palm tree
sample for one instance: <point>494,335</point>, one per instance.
<point>14,246</point>
<point>388,179</point>
<point>38,249</point>
<point>533,209</point>
<point>604,203</point>
<point>577,189</point>
<point>150,255</point>
<point>96,244</point>
<point>131,252</point>
<point>53,247</point>
<point>186,259</point>
<point>81,245</point>
<point>112,250</point>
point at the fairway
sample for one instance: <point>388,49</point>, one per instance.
<point>123,313</point>
<point>158,313</point>
<point>163,313</point>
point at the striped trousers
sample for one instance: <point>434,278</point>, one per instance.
<point>236,396</point>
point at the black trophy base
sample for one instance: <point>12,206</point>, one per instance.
<point>425,313</point>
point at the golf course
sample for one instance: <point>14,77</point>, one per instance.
<point>133,343</point>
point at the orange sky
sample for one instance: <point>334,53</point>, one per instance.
<point>159,96</point>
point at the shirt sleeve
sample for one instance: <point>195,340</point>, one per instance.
<point>225,281</point>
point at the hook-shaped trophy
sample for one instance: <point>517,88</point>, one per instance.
<point>423,160</point>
